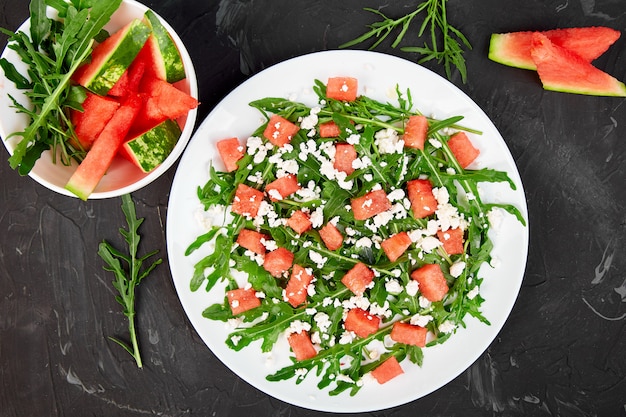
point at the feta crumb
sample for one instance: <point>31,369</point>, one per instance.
<point>473,293</point>
<point>447,327</point>
<point>456,269</point>
<point>393,287</point>
<point>412,287</point>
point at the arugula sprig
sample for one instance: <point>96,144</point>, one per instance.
<point>343,363</point>
<point>52,52</point>
<point>128,272</point>
<point>446,41</point>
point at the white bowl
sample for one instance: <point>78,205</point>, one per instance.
<point>122,177</point>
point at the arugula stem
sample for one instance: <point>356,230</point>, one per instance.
<point>50,103</point>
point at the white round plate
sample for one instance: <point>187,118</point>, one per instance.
<point>378,75</point>
<point>122,177</point>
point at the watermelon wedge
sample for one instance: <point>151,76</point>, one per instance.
<point>111,58</point>
<point>149,149</point>
<point>513,48</point>
<point>162,101</point>
<point>564,71</point>
<point>99,158</point>
<point>97,111</point>
<point>168,64</point>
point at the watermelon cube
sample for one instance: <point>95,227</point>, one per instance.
<point>300,222</point>
<point>342,88</point>
<point>361,322</point>
<point>252,240</point>
<point>423,202</point>
<point>415,132</point>
<point>280,131</point>
<point>329,130</point>
<point>370,204</point>
<point>432,283</point>
<point>282,187</point>
<point>345,154</point>
<point>452,240</point>
<point>98,160</point>
<point>298,284</point>
<point>278,261</point>
<point>242,299</point>
<point>230,151</point>
<point>247,201</point>
<point>462,148</point>
<point>396,245</point>
<point>387,370</point>
<point>358,278</point>
<point>409,334</point>
<point>331,236</point>
<point>301,345</point>
<point>97,111</point>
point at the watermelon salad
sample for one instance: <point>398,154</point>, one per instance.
<point>117,96</point>
<point>562,58</point>
<point>353,229</point>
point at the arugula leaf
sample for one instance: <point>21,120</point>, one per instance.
<point>127,269</point>
<point>52,53</point>
<point>446,41</point>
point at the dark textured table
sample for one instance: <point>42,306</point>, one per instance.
<point>562,351</point>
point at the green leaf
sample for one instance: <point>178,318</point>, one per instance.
<point>128,275</point>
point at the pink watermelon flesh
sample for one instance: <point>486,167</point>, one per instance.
<point>99,158</point>
<point>513,48</point>
<point>97,111</point>
<point>561,70</point>
<point>162,101</point>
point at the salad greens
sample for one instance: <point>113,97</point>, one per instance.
<point>343,360</point>
<point>52,52</point>
<point>446,41</point>
<point>128,275</point>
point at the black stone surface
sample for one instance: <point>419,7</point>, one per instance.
<point>562,351</point>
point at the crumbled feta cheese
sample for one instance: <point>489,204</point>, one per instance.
<point>447,327</point>
<point>396,195</point>
<point>318,259</point>
<point>456,269</point>
<point>298,326</point>
<point>393,287</point>
<point>421,320</point>
<point>435,143</point>
<point>387,141</point>
<point>317,217</point>
<point>412,287</point>
<point>495,217</point>
<point>473,293</point>
<point>424,302</point>
<point>346,338</point>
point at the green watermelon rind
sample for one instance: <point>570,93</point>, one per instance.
<point>172,60</point>
<point>150,149</point>
<point>120,58</point>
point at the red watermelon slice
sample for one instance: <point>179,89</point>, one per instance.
<point>564,71</point>
<point>513,48</point>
